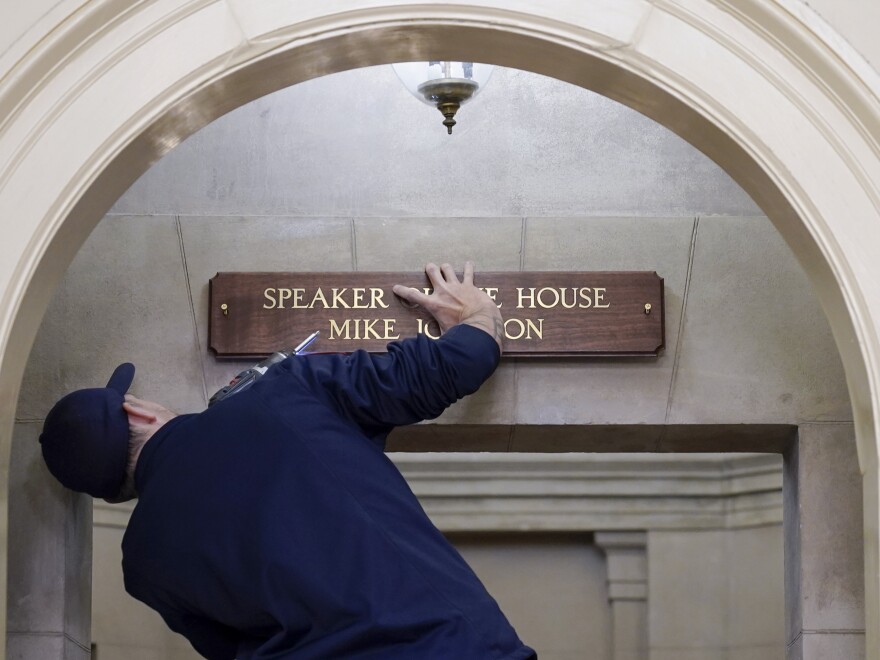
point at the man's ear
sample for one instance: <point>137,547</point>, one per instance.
<point>138,416</point>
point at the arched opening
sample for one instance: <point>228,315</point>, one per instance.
<point>637,76</point>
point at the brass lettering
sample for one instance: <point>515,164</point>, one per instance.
<point>492,292</point>
<point>270,297</point>
<point>319,295</point>
<point>358,298</point>
<point>364,329</point>
<point>565,304</point>
<point>520,297</point>
<point>541,301</point>
<point>337,299</point>
<point>549,297</point>
<point>585,294</point>
<point>283,294</point>
<point>376,295</point>
<point>537,329</point>
<point>297,298</point>
<point>369,328</point>
<point>520,326</point>
<point>389,329</point>
<point>425,328</point>
<point>517,329</point>
<point>336,330</point>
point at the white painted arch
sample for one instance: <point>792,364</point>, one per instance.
<point>96,91</point>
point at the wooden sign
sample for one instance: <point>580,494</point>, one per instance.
<point>545,313</point>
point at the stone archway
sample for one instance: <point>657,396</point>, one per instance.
<point>96,100</point>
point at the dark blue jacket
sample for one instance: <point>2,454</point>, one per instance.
<point>272,525</point>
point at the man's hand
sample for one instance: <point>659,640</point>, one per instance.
<point>453,302</point>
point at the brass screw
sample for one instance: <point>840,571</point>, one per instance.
<point>225,309</point>
<point>647,308</point>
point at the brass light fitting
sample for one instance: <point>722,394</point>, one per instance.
<point>444,84</point>
<point>448,94</point>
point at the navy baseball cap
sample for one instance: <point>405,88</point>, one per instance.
<point>85,437</point>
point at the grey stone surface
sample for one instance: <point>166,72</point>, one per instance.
<point>827,646</point>
<point>605,390</point>
<point>564,572</point>
<point>20,646</point>
<point>756,652</point>
<point>285,244</point>
<point>129,652</point>
<point>791,529</point>
<point>626,558</point>
<point>689,569</point>
<point>123,627</point>
<point>327,182</point>
<point>493,403</point>
<point>829,518</point>
<point>124,298</point>
<point>358,144</point>
<point>37,508</point>
<point>630,630</point>
<point>756,346</point>
<point>73,651</point>
<point>677,653</point>
<point>406,244</point>
<point>49,551</point>
<point>756,593</point>
<point>727,589</point>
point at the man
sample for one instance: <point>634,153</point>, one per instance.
<point>272,525</point>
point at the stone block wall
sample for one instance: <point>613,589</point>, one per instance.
<point>747,342</point>
<point>314,178</point>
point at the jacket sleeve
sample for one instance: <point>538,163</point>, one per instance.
<point>417,379</point>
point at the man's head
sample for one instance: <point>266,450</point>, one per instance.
<point>85,437</point>
<point>92,438</point>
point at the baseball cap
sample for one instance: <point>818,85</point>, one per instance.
<point>85,437</point>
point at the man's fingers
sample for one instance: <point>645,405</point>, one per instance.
<point>468,273</point>
<point>434,274</point>
<point>409,294</point>
<point>449,273</point>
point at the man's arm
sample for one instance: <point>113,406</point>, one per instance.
<point>453,302</point>
<point>418,378</point>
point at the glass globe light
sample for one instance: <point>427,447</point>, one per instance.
<point>444,85</point>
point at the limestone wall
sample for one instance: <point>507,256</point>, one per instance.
<point>351,173</point>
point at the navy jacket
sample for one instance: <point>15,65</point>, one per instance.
<point>272,525</point>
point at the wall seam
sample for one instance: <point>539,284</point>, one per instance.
<point>515,362</point>
<point>192,307</point>
<point>826,422</point>
<point>682,317</point>
<point>354,259</point>
<point>832,631</point>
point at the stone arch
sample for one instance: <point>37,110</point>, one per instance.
<point>95,99</point>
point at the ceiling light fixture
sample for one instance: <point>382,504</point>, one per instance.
<point>445,85</point>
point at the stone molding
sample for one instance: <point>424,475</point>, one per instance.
<point>627,560</point>
<point>581,492</point>
<point>798,103</point>
<point>627,564</point>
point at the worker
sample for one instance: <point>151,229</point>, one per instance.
<point>272,524</point>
